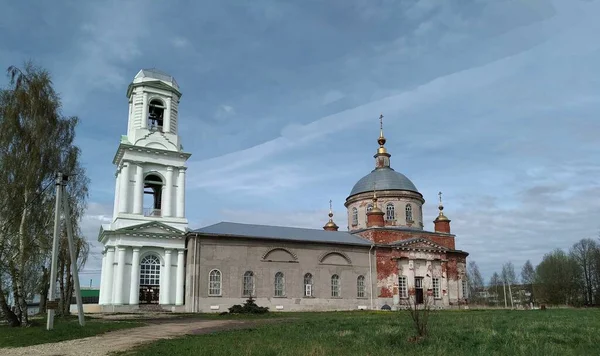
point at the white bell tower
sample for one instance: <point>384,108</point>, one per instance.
<point>149,222</point>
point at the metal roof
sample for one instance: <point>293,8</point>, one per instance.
<point>157,74</point>
<point>384,178</point>
<point>282,233</point>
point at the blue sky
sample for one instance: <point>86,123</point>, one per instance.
<point>494,102</point>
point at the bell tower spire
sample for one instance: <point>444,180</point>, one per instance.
<point>382,157</point>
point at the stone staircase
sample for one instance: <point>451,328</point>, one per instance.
<point>155,308</point>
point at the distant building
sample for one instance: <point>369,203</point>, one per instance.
<point>151,257</point>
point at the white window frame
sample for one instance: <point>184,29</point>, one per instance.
<point>248,285</point>
<point>360,287</point>
<point>354,216</point>
<point>403,287</point>
<point>335,286</point>
<point>409,213</point>
<point>308,284</point>
<point>150,270</point>
<point>279,285</point>
<point>215,284</point>
<point>390,212</point>
<point>435,281</point>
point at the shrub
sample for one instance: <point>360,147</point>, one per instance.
<point>248,308</point>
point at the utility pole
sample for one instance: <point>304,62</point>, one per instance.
<point>504,286</point>
<point>62,198</point>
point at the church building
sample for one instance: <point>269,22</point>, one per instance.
<point>152,259</point>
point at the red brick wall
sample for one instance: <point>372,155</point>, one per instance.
<point>442,226</point>
<point>384,236</point>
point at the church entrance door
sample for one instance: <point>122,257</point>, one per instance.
<point>419,289</point>
<point>149,280</point>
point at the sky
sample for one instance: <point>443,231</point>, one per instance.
<point>495,103</point>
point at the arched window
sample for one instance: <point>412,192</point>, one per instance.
<point>214,282</point>
<point>354,216</point>
<point>150,271</point>
<point>279,284</point>
<point>153,195</point>
<point>360,287</point>
<point>390,214</point>
<point>335,286</point>
<point>409,217</point>
<point>248,284</point>
<point>308,285</point>
<point>369,208</point>
<point>156,111</point>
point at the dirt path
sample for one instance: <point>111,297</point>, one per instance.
<point>121,340</point>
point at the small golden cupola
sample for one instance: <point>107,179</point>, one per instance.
<point>441,222</point>
<point>330,226</point>
<point>375,216</point>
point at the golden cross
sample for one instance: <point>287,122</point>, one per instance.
<point>330,205</point>
<point>440,194</point>
<point>381,121</point>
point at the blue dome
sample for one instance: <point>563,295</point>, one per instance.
<point>386,179</point>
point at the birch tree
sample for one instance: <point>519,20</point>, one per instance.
<point>36,142</point>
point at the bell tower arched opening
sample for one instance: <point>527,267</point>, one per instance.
<point>156,114</point>
<point>152,195</point>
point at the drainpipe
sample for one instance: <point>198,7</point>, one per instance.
<point>371,274</point>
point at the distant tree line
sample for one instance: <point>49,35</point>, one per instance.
<point>561,278</point>
<point>36,142</point>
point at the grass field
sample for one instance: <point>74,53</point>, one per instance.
<point>64,329</point>
<point>491,332</point>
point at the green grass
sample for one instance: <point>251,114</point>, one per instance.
<point>64,329</point>
<point>471,332</point>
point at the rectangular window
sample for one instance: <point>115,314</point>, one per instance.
<point>308,290</point>
<point>465,290</point>
<point>402,287</point>
<point>214,283</point>
<point>360,287</point>
<point>279,285</point>
<point>436,288</point>
<point>248,284</point>
<point>335,286</point>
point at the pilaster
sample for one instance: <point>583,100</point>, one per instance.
<point>180,277</point>
<point>181,193</point>
<point>166,285</point>
<point>134,289</point>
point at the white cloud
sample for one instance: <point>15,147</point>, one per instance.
<point>96,215</point>
<point>180,42</point>
<point>109,38</point>
<point>331,96</point>
<point>224,112</point>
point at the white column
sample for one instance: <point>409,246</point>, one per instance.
<point>124,188</point>
<point>138,190</point>
<point>181,193</point>
<point>144,111</point>
<point>167,116</point>
<point>167,202</point>
<point>134,289</point>
<point>180,275</point>
<point>102,279</point>
<point>108,278</point>
<point>166,285</point>
<point>130,120</point>
<point>116,206</point>
<point>119,277</point>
